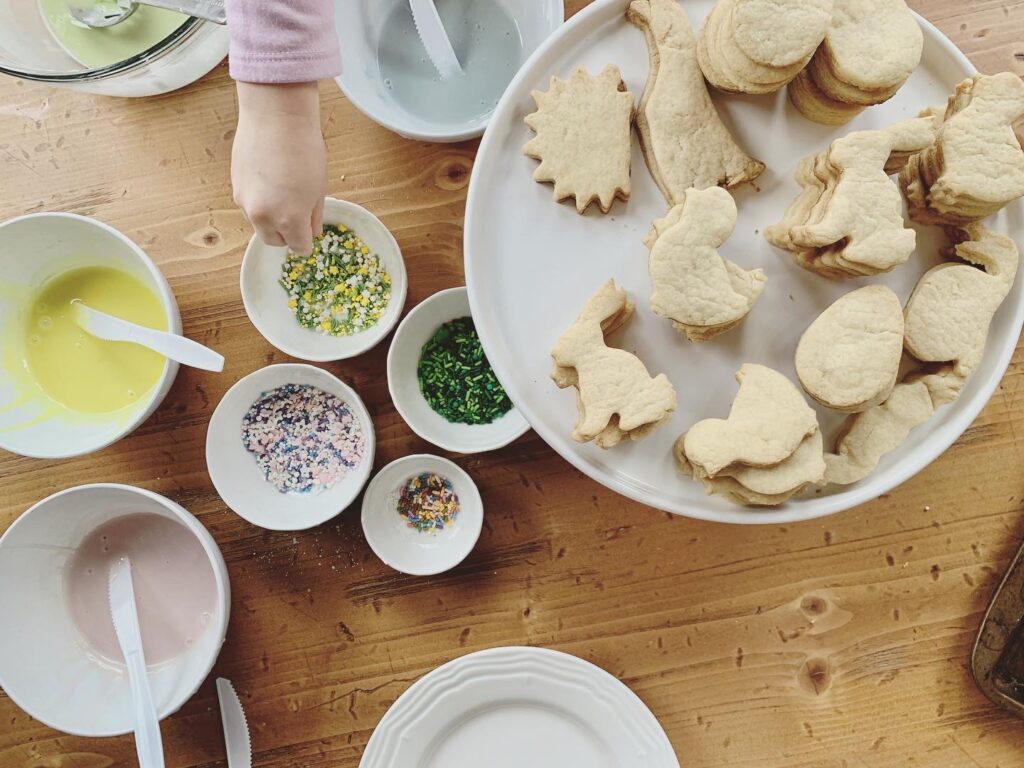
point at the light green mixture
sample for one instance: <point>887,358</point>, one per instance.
<point>96,48</point>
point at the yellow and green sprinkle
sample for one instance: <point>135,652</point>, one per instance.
<point>341,288</point>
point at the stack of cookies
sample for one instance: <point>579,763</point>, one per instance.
<point>616,397</point>
<point>757,46</point>
<point>769,448</point>
<point>848,220</point>
<point>870,50</point>
<point>975,166</point>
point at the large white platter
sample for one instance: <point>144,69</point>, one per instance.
<point>531,264</point>
<point>518,708</point>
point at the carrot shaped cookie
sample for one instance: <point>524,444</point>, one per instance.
<point>682,137</point>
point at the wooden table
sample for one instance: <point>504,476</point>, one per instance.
<point>841,642</point>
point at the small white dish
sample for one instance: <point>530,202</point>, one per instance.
<point>420,553</point>
<point>238,478</point>
<point>361,30</point>
<point>403,360</point>
<point>266,302</point>
<point>46,667</point>
<point>33,249</point>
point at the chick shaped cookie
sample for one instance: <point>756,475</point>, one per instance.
<point>583,138</point>
<point>849,357</point>
<point>762,486</point>
<point>767,422</point>
<point>617,397</point>
<point>692,285</point>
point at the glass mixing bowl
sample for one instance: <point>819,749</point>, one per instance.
<point>30,51</point>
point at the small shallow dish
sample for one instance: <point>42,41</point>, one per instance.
<point>420,553</point>
<point>266,302</point>
<point>403,360</point>
<point>238,478</point>
<point>360,35</point>
<point>33,249</point>
<point>45,666</point>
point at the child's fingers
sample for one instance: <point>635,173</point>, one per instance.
<point>299,237</point>
<point>318,218</point>
<point>270,236</point>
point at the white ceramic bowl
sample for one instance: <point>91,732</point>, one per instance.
<point>239,480</point>
<point>266,302</point>
<point>44,667</point>
<point>420,553</point>
<point>403,360</point>
<point>33,249</point>
<point>360,27</point>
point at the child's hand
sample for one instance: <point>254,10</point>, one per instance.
<point>279,164</point>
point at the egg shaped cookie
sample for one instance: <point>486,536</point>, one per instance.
<point>849,357</point>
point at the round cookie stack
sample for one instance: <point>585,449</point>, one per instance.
<point>757,46</point>
<point>870,50</point>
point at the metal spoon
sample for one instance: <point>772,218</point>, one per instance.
<point>108,14</point>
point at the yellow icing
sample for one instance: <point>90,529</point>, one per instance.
<point>76,370</point>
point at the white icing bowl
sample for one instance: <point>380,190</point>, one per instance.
<point>361,26</point>
<point>33,249</point>
<point>45,667</point>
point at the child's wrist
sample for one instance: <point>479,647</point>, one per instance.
<point>286,99</point>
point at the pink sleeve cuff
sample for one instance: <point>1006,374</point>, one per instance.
<point>282,41</point>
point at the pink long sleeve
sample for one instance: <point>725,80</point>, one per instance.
<point>282,41</point>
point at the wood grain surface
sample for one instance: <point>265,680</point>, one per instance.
<point>837,643</point>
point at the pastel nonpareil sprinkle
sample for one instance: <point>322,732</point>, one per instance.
<point>304,440</point>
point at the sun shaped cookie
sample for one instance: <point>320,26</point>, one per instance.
<point>583,137</point>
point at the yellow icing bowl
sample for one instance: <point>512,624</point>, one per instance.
<point>34,249</point>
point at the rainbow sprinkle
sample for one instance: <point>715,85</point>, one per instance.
<point>304,440</point>
<point>428,502</point>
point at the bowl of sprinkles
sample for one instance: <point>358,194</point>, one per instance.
<point>441,382</point>
<point>289,447</point>
<point>422,514</point>
<point>338,301</point>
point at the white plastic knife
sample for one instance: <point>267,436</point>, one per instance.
<point>435,38</point>
<point>124,612</point>
<point>236,728</point>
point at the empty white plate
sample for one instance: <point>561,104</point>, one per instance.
<point>516,707</point>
